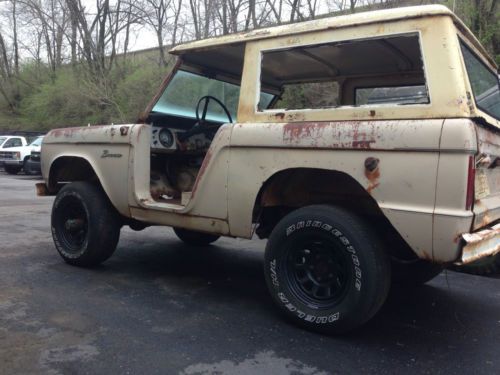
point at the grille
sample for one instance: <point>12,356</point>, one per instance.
<point>6,155</point>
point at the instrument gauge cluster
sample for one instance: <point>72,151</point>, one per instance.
<point>163,139</point>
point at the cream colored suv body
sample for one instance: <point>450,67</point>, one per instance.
<point>409,159</point>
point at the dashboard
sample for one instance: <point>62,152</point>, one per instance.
<point>166,140</point>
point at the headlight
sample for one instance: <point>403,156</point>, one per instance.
<point>17,155</point>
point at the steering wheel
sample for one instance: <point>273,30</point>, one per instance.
<point>199,126</point>
<point>201,120</point>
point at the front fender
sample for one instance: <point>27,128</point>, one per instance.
<point>105,148</point>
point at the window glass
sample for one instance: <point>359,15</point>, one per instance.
<point>311,76</point>
<point>13,142</point>
<point>2,140</point>
<point>185,90</point>
<point>396,95</point>
<point>37,142</point>
<point>485,83</point>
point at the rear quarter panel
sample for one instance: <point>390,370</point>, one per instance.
<point>404,187</point>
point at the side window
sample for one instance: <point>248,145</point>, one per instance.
<point>13,142</point>
<point>485,83</point>
<point>374,71</point>
<point>396,95</point>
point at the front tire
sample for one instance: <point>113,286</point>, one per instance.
<point>12,169</point>
<point>26,168</point>
<point>194,238</point>
<point>325,269</point>
<point>85,226</point>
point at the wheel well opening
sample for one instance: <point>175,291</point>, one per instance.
<point>290,189</point>
<point>70,169</point>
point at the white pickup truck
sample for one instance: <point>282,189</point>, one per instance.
<point>361,146</point>
<point>15,158</point>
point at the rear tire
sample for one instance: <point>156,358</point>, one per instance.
<point>325,269</point>
<point>194,238</point>
<point>85,225</point>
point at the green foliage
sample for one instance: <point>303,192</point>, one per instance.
<point>309,95</point>
<point>56,103</point>
<point>138,85</point>
<point>73,99</point>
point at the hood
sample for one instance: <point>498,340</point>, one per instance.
<point>19,149</point>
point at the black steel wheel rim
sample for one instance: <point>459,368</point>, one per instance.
<point>318,271</point>
<point>72,224</point>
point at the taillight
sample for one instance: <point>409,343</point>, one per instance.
<point>471,174</point>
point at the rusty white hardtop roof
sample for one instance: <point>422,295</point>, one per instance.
<point>334,22</point>
<point>382,16</point>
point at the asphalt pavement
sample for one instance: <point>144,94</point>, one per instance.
<point>159,306</point>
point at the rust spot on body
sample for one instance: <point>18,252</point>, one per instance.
<point>124,130</point>
<point>336,135</point>
<point>70,132</point>
<point>295,132</point>
<point>362,144</point>
<point>372,173</point>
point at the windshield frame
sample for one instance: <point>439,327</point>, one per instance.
<point>464,45</point>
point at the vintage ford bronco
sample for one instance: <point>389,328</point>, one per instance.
<point>365,147</point>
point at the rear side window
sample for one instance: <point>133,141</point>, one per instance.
<point>385,70</point>
<point>396,95</point>
<point>484,83</point>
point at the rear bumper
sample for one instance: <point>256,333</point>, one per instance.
<point>480,244</point>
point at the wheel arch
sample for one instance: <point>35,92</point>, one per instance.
<point>72,168</point>
<point>292,188</point>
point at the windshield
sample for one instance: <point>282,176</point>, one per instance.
<point>37,142</point>
<point>185,90</point>
<point>485,84</point>
<point>2,140</point>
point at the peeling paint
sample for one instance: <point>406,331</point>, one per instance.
<point>343,135</point>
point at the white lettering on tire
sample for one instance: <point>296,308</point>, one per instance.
<point>326,227</point>
<point>355,261</point>
<point>274,276</point>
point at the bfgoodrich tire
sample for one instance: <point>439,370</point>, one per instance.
<point>85,226</point>
<point>325,269</point>
<point>194,238</point>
